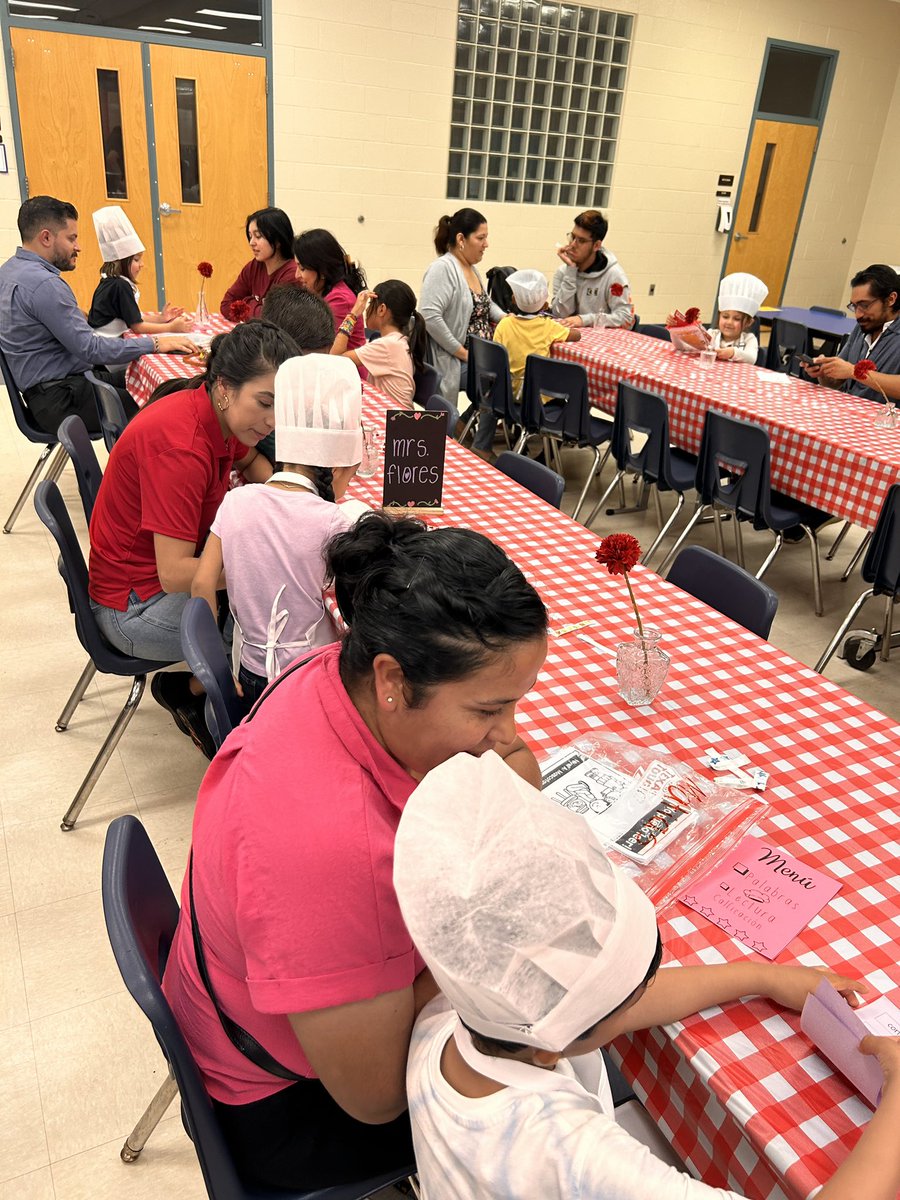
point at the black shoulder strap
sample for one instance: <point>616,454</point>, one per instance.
<point>239,1037</point>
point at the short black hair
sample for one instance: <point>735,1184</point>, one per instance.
<point>881,279</point>
<point>592,221</point>
<point>302,315</point>
<point>44,212</point>
<point>275,226</point>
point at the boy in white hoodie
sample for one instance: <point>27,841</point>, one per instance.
<point>590,288</point>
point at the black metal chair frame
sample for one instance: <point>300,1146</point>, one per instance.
<point>489,385</point>
<point>109,408</point>
<point>52,450</point>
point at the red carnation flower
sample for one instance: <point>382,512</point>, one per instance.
<point>862,368</point>
<point>691,316</point>
<point>616,289</point>
<point>205,269</point>
<point>239,311</point>
<point>618,552</point>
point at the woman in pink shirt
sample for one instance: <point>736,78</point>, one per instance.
<point>292,856</point>
<point>270,235</point>
<point>324,267</point>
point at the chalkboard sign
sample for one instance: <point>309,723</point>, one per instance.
<point>414,444</point>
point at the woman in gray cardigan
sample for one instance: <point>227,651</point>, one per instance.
<point>455,304</point>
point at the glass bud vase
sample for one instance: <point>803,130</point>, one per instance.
<point>201,317</point>
<point>641,667</point>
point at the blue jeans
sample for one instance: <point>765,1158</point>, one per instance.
<point>148,628</point>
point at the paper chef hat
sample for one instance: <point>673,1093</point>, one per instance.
<point>529,289</point>
<point>741,293</point>
<point>116,235</point>
<point>318,409</point>
<point>529,930</point>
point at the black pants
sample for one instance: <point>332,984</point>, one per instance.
<point>253,685</point>
<point>302,1139</point>
<point>50,403</point>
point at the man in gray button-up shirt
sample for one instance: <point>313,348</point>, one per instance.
<point>44,335</point>
<point>875,303</point>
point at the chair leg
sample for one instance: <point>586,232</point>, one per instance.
<point>154,1113</point>
<point>657,502</point>
<point>29,484</point>
<point>842,629</point>
<point>857,555</point>
<point>779,542</point>
<point>595,470</point>
<point>469,423</point>
<point>814,564</point>
<point>888,628</point>
<point>618,475</point>
<point>720,542</point>
<point>112,740</point>
<point>62,723</point>
<point>835,545</point>
<point>698,513</point>
<point>739,541</point>
<point>648,553</point>
<point>58,465</point>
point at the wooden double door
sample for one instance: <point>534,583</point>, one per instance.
<point>187,177</point>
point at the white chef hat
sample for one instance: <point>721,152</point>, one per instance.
<point>318,410</point>
<point>741,293</point>
<point>529,930</point>
<point>529,289</point>
<point>116,234</point>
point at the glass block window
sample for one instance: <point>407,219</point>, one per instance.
<point>537,99</point>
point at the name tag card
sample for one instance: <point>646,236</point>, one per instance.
<point>761,896</point>
<point>414,446</point>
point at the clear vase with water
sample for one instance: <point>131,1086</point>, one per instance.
<point>641,667</point>
<point>201,317</point>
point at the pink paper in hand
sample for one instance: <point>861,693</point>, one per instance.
<point>761,896</point>
<point>834,1029</point>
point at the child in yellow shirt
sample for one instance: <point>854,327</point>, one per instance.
<point>529,331</point>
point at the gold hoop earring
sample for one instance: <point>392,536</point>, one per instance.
<point>219,405</point>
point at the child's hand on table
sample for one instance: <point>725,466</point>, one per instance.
<point>789,986</point>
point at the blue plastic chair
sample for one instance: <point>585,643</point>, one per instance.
<point>141,915</point>
<point>109,407</point>
<point>654,331</point>
<point>733,476</point>
<point>489,385</point>
<point>34,433</point>
<point>51,508</point>
<point>542,481</point>
<point>726,587</point>
<point>204,653</point>
<point>640,446</point>
<point>76,441</point>
<point>428,384</point>
<point>437,403</point>
<point>787,340</point>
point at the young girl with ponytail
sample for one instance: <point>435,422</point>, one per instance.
<point>394,357</point>
<point>270,539</point>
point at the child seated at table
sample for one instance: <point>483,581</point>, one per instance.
<point>392,358</point>
<point>544,952</point>
<point>740,296</point>
<point>270,538</point>
<point>529,330</point>
<point>114,307</point>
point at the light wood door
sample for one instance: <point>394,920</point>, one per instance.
<point>210,115</point>
<point>771,201</point>
<point>59,98</point>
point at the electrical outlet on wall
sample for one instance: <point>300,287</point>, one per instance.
<point>652,291</point>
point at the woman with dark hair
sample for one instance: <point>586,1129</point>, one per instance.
<point>290,892</point>
<point>392,358</point>
<point>164,481</point>
<point>455,305</point>
<point>325,268</point>
<point>271,235</point>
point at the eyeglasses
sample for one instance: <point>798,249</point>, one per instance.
<point>581,241</point>
<point>862,306</point>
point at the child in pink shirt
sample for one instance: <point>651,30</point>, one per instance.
<point>392,358</point>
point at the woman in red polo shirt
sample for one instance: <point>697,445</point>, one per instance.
<point>291,880</point>
<point>165,479</point>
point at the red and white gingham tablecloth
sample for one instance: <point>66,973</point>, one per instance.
<point>740,1092</point>
<point>826,450</point>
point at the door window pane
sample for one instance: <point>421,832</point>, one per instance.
<point>111,134</point>
<point>794,83</point>
<point>188,147</point>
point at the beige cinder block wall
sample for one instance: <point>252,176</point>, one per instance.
<point>9,184</point>
<point>362,116</point>
<point>879,234</point>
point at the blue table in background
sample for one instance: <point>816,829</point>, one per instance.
<point>819,324</point>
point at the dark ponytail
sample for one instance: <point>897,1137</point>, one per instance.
<point>442,602</point>
<point>324,481</point>
<point>464,221</point>
<point>400,299</point>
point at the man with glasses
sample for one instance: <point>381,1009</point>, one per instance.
<point>590,288</point>
<point>874,304</point>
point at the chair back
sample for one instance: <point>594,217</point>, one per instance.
<point>881,566</point>
<point>428,384</point>
<point>76,441</point>
<point>654,331</point>
<point>540,480</point>
<point>726,587</point>
<point>640,440</point>
<point>488,382</point>
<point>51,508</point>
<point>786,340</point>
<point>555,401</point>
<point>109,408</point>
<point>437,403</point>
<point>23,417</point>
<point>832,312</point>
<point>204,652</point>
<point>498,289</point>
<point>733,467</point>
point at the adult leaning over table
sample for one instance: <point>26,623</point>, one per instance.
<point>290,879</point>
<point>455,305</point>
<point>164,481</point>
